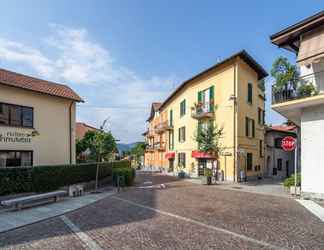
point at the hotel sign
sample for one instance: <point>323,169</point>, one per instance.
<point>15,137</point>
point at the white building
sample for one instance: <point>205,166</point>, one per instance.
<point>306,40</point>
<point>279,163</point>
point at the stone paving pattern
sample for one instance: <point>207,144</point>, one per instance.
<point>115,224</point>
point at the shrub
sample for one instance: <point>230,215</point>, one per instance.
<point>49,178</point>
<point>127,172</point>
<point>290,181</point>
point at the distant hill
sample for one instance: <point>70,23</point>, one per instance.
<point>125,146</point>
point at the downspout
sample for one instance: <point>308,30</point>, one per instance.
<point>234,118</point>
<point>70,131</point>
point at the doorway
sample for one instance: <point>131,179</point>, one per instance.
<point>202,164</point>
<point>171,165</point>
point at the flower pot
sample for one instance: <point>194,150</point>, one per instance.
<point>292,190</point>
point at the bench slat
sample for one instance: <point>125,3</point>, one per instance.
<point>31,198</point>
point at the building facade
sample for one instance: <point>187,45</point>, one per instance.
<point>37,121</point>
<point>279,163</point>
<point>227,95</point>
<point>304,104</point>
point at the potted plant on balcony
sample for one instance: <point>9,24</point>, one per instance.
<point>307,90</point>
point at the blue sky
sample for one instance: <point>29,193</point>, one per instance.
<point>122,55</point>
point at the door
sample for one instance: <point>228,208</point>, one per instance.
<point>171,165</point>
<point>287,168</point>
<point>202,164</point>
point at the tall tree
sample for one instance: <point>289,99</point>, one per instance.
<point>138,151</point>
<point>286,75</point>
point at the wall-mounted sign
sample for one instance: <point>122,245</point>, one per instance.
<point>15,137</point>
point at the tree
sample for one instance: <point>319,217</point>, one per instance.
<point>208,139</point>
<point>138,151</point>
<point>286,75</point>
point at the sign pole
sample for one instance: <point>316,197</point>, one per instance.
<point>296,172</point>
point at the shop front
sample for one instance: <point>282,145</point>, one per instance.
<point>170,156</point>
<point>204,161</point>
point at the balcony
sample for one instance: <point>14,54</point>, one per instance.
<point>149,148</point>
<point>162,127</point>
<point>289,102</point>
<point>203,110</point>
<point>161,146</point>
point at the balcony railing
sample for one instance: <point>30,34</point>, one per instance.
<point>162,127</point>
<point>149,148</point>
<point>203,110</point>
<point>161,146</point>
<point>308,85</point>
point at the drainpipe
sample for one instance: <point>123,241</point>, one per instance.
<point>234,132</point>
<point>70,130</point>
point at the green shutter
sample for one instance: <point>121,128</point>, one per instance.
<point>246,126</point>
<point>211,99</point>
<point>200,96</point>
<point>179,138</point>
<point>171,118</point>
<point>253,128</point>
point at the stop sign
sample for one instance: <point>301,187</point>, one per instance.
<point>288,143</point>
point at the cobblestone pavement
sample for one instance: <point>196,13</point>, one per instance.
<point>181,216</point>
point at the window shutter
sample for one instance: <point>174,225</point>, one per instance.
<point>184,133</point>
<point>184,106</point>
<point>171,118</point>
<point>253,128</point>
<point>250,92</point>
<point>211,99</point>
<point>246,126</point>
<point>200,96</point>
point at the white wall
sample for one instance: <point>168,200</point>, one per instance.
<point>312,149</point>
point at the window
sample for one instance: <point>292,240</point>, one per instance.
<point>171,140</point>
<point>182,108</point>
<point>171,118</point>
<point>16,158</point>
<point>277,142</point>
<point>182,134</point>
<point>250,93</point>
<point>249,161</point>
<point>249,127</point>
<point>206,99</point>
<point>279,164</point>
<point>260,116</point>
<point>263,117</point>
<point>182,159</point>
<point>261,148</point>
<point>15,115</point>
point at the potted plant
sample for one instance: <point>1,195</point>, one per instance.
<point>207,178</point>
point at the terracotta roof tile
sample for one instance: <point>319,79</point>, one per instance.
<point>82,128</point>
<point>38,85</point>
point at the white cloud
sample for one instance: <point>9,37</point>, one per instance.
<point>79,60</point>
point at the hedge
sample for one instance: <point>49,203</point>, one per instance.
<point>49,178</point>
<point>290,181</point>
<point>128,173</point>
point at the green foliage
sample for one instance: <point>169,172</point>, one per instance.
<point>285,74</point>
<point>127,172</point>
<point>138,150</point>
<point>208,172</point>
<point>100,143</point>
<point>290,181</point>
<point>261,85</point>
<point>306,90</point>
<point>49,178</point>
<point>209,138</point>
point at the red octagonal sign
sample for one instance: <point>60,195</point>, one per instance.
<point>288,143</point>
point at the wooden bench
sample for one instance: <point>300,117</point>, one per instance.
<point>18,203</point>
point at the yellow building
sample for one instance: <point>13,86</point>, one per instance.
<point>37,121</point>
<point>227,94</point>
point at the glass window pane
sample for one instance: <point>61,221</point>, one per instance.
<point>4,114</point>
<point>27,117</point>
<point>3,159</point>
<point>15,116</point>
<point>26,159</point>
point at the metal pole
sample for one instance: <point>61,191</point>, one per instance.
<point>296,172</point>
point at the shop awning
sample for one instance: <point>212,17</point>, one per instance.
<point>202,155</point>
<point>170,155</point>
<point>311,46</point>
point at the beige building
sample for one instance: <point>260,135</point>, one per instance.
<point>228,95</point>
<point>37,121</point>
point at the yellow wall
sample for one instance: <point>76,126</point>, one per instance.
<point>51,121</point>
<point>229,79</point>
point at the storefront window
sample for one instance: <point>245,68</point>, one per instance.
<point>16,158</point>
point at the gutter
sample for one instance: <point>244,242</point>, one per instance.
<point>234,119</point>
<point>70,130</point>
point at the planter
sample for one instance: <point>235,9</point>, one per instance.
<point>181,174</point>
<point>292,190</point>
<point>206,180</point>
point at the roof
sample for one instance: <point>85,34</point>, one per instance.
<point>242,54</point>
<point>82,128</point>
<point>289,37</point>
<point>17,80</point>
<point>154,108</point>
<point>283,128</point>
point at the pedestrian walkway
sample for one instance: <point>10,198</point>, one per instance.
<point>13,219</point>
<point>313,207</point>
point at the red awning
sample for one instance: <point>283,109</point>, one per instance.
<point>170,155</point>
<point>202,155</point>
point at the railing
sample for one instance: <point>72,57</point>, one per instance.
<point>160,146</point>
<point>203,110</point>
<point>162,126</point>
<point>308,85</point>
